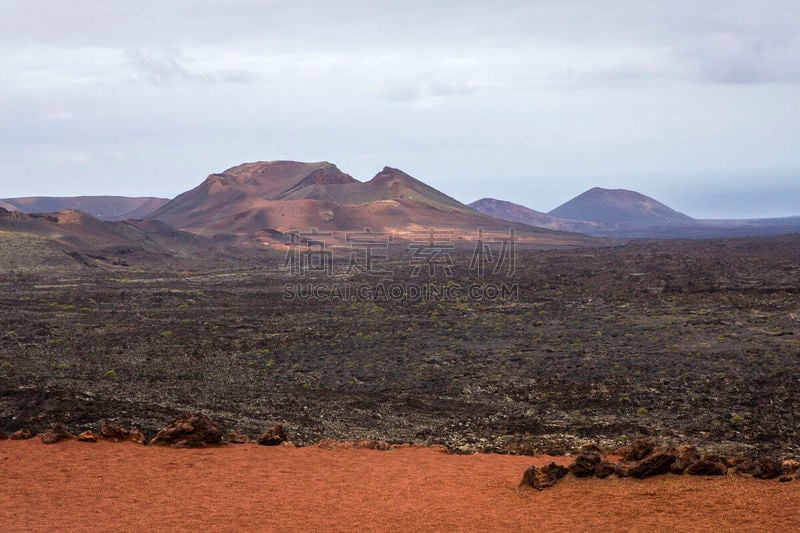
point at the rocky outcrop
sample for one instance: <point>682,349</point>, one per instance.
<point>790,470</point>
<point>189,431</point>
<point>370,444</point>
<point>684,457</point>
<point>653,465</point>
<point>639,449</point>
<point>790,467</point>
<point>114,433</point>
<point>643,458</point>
<point>21,434</point>
<point>273,436</point>
<point>605,469</point>
<point>585,465</point>
<point>546,476</point>
<point>56,434</point>
<point>234,437</point>
<point>87,436</point>
<point>707,467</point>
<point>767,468</point>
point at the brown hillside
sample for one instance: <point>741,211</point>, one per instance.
<point>257,199</point>
<point>76,239</point>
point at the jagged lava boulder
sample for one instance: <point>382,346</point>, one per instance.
<point>654,465</point>
<point>790,469</point>
<point>605,469</point>
<point>189,431</point>
<point>22,434</point>
<point>234,437</point>
<point>371,444</point>
<point>56,434</point>
<point>684,457</point>
<point>541,478</point>
<point>585,465</point>
<point>767,468</point>
<point>639,449</point>
<point>114,433</point>
<point>87,436</point>
<point>707,467</point>
<point>273,436</point>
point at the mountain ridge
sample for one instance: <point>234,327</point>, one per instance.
<point>279,196</point>
<point>659,227</point>
<point>112,208</point>
<point>512,212</point>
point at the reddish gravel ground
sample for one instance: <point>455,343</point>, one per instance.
<point>103,486</point>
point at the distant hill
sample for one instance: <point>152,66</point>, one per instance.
<point>257,201</point>
<point>518,213</point>
<point>651,219</point>
<point>102,207</point>
<point>620,207</point>
<point>514,212</point>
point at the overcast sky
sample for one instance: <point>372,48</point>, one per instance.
<point>529,101</point>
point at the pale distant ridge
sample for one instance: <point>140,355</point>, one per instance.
<point>102,207</point>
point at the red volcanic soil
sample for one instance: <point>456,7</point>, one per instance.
<point>104,486</point>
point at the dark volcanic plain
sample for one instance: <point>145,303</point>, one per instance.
<point>687,341</point>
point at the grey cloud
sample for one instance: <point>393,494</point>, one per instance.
<point>56,116</point>
<point>162,69</point>
<point>168,67</point>
<point>734,59</point>
<point>733,41</point>
<point>420,90</point>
